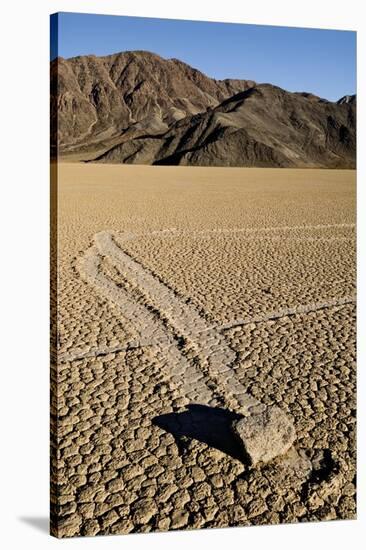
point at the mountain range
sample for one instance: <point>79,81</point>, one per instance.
<point>138,108</point>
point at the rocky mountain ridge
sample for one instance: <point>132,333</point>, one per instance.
<point>136,107</point>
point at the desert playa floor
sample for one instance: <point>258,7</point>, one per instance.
<point>187,295</point>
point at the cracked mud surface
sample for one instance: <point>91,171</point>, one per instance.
<point>188,297</point>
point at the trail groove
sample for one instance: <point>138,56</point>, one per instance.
<point>172,329</point>
<point>212,351</point>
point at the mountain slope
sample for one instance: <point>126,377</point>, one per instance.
<point>98,98</point>
<point>262,126</point>
<point>136,107</point>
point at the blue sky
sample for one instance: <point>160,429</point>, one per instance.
<point>312,60</point>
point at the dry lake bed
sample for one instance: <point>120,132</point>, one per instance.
<point>189,298</point>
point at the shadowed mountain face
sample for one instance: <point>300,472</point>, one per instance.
<point>138,108</point>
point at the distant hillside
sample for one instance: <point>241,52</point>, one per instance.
<point>138,108</point>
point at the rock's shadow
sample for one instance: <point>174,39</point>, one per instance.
<point>207,424</point>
